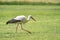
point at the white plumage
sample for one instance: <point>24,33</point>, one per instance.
<point>20,17</point>
<point>20,20</point>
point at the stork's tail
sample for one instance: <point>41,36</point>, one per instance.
<point>6,22</point>
<point>13,21</point>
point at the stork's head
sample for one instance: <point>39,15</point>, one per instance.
<point>30,16</point>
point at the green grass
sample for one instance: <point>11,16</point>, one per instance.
<point>46,27</point>
<point>29,3</point>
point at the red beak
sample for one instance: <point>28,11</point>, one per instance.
<point>33,18</point>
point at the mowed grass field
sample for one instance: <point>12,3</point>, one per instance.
<point>46,27</point>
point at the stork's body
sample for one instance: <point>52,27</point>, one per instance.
<point>20,20</point>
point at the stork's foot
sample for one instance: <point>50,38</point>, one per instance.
<point>29,32</point>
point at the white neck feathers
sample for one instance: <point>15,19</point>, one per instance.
<point>29,17</point>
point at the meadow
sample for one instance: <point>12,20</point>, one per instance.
<point>46,27</point>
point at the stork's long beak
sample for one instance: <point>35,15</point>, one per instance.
<point>33,18</point>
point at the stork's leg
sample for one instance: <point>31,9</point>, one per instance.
<point>25,30</point>
<point>17,26</point>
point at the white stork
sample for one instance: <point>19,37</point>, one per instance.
<point>20,20</point>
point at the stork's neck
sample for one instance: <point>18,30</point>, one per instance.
<point>28,18</point>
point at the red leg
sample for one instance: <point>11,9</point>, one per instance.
<point>25,30</point>
<point>17,27</point>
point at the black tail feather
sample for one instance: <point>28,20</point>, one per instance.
<point>13,21</point>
